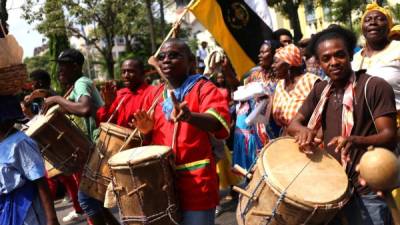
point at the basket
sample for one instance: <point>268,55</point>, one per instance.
<point>12,79</point>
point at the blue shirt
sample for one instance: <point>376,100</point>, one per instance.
<point>20,160</point>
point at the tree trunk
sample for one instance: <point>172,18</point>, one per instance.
<point>350,17</point>
<point>109,63</point>
<point>161,3</point>
<point>151,23</point>
<point>294,20</point>
<point>57,44</point>
<point>3,17</point>
<point>128,44</point>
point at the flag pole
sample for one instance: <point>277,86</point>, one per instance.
<point>152,60</point>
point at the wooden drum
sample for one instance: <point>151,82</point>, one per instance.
<point>61,143</point>
<point>96,175</point>
<point>143,181</point>
<point>288,187</point>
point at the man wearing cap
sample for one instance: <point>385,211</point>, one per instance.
<point>82,101</point>
<point>24,194</point>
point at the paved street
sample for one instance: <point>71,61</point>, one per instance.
<point>226,218</point>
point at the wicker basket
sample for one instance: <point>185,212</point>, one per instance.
<point>12,79</point>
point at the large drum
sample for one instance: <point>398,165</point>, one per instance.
<point>61,143</point>
<point>96,174</point>
<point>143,181</point>
<point>288,187</point>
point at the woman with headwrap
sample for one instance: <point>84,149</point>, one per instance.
<point>293,86</point>
<point>251,136</point>
<point>380,56</point>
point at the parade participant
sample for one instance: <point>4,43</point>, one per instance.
<point>24,194</point>
<point>129,99</point>
<point>354,112</point>
<point>293,86</point>
<point>41,88</point>
<point>200,110</point>
<point>201,55</point>
<point>380,56</point>
<point>82,102</point>
<point>41,82</point>
<point>250,138</point>
<point>283,36</point>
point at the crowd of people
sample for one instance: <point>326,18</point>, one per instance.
<point>319,91</point>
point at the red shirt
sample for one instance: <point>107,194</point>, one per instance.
<point>132,102</point>
<point>196,181</point>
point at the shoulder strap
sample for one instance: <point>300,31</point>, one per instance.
<point>366,101</point>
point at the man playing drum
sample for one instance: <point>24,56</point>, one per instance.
<point>122,104</point>
<point>83,101</point>
<point>184,120</point>
<point>354,112</point>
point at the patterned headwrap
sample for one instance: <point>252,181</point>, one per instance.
<point>375,7</point>
<point>290,54</point>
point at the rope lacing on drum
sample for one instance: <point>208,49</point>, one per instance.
<point>253,193</point>
<point>283,195</point>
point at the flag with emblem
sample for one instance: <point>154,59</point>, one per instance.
<point>239,27</point>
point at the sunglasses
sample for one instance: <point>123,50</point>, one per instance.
<point>171,55</point>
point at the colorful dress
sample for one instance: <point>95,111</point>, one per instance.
<point>196,179</point>
<point>249,139</point>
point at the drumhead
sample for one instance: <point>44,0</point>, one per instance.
<point>138,155</point>
<point>115,129</point>
<point>39,120</point>
<point>316,179</point>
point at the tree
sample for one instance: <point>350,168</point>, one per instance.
<point>38,62</point>
<point>101,15</point>
<point>58,39</point>
<point>151,25</point>
<point>342,11</point>
<point>289,9</point>
<point>3,17</point>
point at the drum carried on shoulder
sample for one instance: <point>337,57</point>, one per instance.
<point>61,143</point>
<point>96,175</point>
<point>288,187</point>
<point>143,182</point>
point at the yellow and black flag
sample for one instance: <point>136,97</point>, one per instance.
<point>239,27</point>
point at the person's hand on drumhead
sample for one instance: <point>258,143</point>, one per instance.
<point>343,145</point>
<point>307,140</point>
<point>143,121</point>
<point>181,111</point>
<point>108,92</point>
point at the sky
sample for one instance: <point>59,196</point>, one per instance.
<point>25,34</point>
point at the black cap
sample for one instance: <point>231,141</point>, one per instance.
<point>71,56</point>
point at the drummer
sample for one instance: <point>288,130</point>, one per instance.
<point>82,102</point>
<point>199,109</point>
<point>41,82</point>
<point>120,105</point>
<point>344,112</point>
<point>24,194</point>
